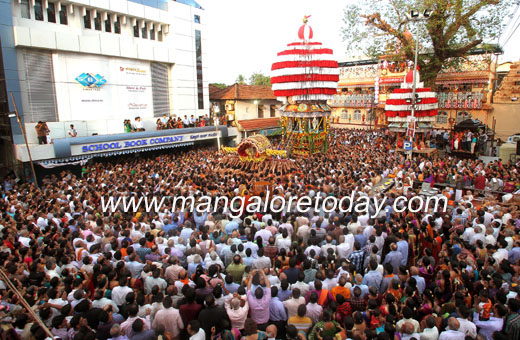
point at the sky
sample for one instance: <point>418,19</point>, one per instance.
<point>243,36</point>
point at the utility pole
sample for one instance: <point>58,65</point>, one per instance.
<point>416,17</point>
<point>26,143</point>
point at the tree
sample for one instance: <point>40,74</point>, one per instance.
<point>219,85</point>
<point>240,80</point>
<point>258,78</point>
<point>454,28</point>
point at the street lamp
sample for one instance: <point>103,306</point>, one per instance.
<point>416,16</point>
<point>216,110</point>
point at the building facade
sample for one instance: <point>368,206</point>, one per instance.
<point>463,92</point>
<point>95,63</point>
<point>253,109</point>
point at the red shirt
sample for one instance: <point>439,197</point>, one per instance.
<point>480,182</point>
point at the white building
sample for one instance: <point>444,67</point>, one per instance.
<point>95,63</point>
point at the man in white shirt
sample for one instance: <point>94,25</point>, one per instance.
<point>119,292</point>
<point>294,302</point>
<point>261,261</point>
<point>452,332</point>
<point>495,322</point>
<point>343,249</point>
<point>467,327</point>
<point>195,331</point>
<point>155,280</point>
<point>138,124</point>
<point>408,317</point>
<point>430,332</point>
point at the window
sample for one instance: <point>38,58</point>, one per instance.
<point>63,15</point>
<point>136,30</point>
<point>25,9</point>
<point>87,20</point>
<point>152,33</point>
<point>97,22</point>
<point>357,115</point>
<point>200,91</point>
<point>461,115</point>
<point>144,32</point>
<point>51,12</point>
<point>343,114</point>
<point>117,26</point>
<point>159,35</point>
<point>108,24</point>
<point>442,117</point>
<point>38,10</point>
<point>196,18</point>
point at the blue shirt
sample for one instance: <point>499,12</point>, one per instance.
<point>192,267</point>
<point>199,220</point>
<point>373,279</point>
<point>402,247</point>
<point>230,227</point>
<point>514,255</point>
<point>277,310</point>
<point>364,289</point>
<point>395,258</point>
<point>167,227</point>
<point>361,238</point>
<point>421,283</point>
<point>284,294</point>
<point>232,287</point>
<point>186,233</point>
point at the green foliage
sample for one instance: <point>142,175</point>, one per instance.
<point>381,28</point>
<point>219,85</point>
<point>258,78</point>
<point>240,80</point>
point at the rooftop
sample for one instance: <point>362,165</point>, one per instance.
<point>239,91</point>
<point>259,124</point>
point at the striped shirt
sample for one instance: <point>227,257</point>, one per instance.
<point>301,324</point>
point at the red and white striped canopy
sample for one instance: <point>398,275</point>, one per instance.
<point>305,71</point>
<point>398,105</point>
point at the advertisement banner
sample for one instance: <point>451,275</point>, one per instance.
<point>99,88</point>
<point>145,142</point>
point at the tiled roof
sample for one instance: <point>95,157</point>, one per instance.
<point>238,91</point>
<point>259,124</point>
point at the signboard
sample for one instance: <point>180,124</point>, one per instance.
<point>90,87</point>
<point>119,145</point>
<point>407,145</point>
<point>391,80</point>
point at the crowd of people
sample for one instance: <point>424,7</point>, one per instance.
<point>316,275</point>
<point>166,123</point>
<point>172,123</point>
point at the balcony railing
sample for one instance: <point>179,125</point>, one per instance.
<point>460,100</point>
<point>447,100</point>
<point>354,100</point>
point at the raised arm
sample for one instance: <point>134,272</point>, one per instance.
<point>266,280</point>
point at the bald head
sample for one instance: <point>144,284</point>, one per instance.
<point>414,271</point>
<point>453,324</point>
<point>407,328</point>
<point>271,331</point>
